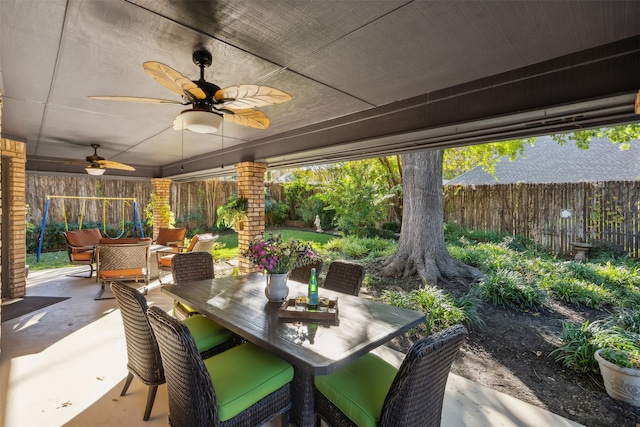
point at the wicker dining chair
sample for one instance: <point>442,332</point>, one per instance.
<point>190,267</point>
<point>302,274</point>
<point>371,392</point>
<point>254,384</point>
<point>344,277</point>
<point>143,355</point>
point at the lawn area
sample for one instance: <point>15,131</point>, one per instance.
<point>227,244</point>
<point>226,248</point>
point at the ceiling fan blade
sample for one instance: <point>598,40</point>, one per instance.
<point>247,117</point>
<point>173,80</point>
<point>115,165</point>
<point>137,99</point>
<point>75,162</point>
<point>250,96</point>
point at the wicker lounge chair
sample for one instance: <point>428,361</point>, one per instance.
<point>255,382</point>
<point>171,237</point>
<point>302,274</point>
<point>143,355</point>
<point>344,277</point>
<point>122,262</point>
<point>199,243</point>
<point>370,392</point>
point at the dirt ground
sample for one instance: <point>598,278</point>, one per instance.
<point>511,354</point>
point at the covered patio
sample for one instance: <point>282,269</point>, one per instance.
<point>367,79</point>
<point>65,364</point>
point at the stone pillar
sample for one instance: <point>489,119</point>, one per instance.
<point>161,189</point>
<point>251,187</point>
<point>15,202</point>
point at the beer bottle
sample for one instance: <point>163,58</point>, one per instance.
<point>312,302</point>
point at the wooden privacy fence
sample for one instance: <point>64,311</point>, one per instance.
<point>39,186</point>
<point>191,199</point>
<point>195,201</point>
<point>554,215</point>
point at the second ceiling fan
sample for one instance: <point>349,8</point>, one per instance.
<point>210,104</point>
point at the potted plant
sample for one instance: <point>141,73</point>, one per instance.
<point>233,213</point>
<point>278,258</point>
<point>619,362</point>
<point>610,345</point>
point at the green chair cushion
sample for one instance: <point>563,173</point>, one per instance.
<point>243,375</point>
<point>184,307</point>
<point>359,389</point>
<point>206,333</point>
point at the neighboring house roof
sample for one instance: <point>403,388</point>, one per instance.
<point>548,162</point>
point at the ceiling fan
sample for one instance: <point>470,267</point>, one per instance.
<point>98,165</point>
<point>210,104</point>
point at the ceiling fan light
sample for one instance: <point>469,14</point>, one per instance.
<point>198,121</point>
<point>91,170</point>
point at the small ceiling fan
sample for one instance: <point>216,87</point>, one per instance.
<point>97,165</point>
<point>210,104</point>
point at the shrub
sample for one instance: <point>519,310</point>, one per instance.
<point>618,333</point>
<point>510,289</point>
<point>578,348</point>
<point>361,247</point>
<point>315,206</point>
<point>392,226</point>
<point>441,309</point>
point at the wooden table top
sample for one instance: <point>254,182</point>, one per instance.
<point>316,347</point>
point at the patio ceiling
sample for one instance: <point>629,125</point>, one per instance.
<point>368,78</point>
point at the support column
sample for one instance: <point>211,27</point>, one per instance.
<point>161,189</point>
<point>15,202</point>
<point>251,187</point>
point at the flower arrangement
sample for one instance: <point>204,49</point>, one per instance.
<point>278,257</point>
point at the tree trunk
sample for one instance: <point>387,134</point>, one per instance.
<point>421,248</point>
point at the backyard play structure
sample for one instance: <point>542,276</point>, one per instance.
<point>138,231</point>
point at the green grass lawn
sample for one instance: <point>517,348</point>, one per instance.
<point>226,248</point>
<point>227,244</point>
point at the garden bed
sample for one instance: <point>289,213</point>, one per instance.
<point>511,354</point>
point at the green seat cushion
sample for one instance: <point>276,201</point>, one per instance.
<point>243,375</point>
<point>359,389</point>
<point>184,307</point>
<point>206,333</point>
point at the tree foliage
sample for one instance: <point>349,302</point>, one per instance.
<point>358,194</point>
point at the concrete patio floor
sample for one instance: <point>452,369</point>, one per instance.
<point>65,365</point>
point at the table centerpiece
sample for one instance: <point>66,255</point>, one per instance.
<point>277,258</point>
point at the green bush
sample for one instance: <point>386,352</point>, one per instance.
<point>441,309</point>
<point>510,289</point>
<point>392,226</point>
<point>618,332</point>
<point>314,206</point>
<point>296,192</point>
<point>275,212</point>
<point>361,247</point>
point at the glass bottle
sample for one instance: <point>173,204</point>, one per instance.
<point>312,302</point>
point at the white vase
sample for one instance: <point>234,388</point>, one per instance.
<point>621,383</point>
<point>277,289</point>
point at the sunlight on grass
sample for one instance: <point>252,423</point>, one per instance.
<point>48,260</point>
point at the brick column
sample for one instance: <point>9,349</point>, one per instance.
<point>15,202</point>
<point>251,187</point>
<point>161,189</point>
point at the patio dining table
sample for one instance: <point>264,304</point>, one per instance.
<point>313,347</point>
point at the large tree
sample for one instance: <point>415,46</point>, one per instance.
<point>421,248</point>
